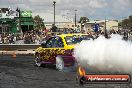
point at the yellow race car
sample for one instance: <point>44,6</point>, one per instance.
<point>58,50</point>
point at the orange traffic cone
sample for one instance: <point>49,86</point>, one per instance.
<point>14,55</point>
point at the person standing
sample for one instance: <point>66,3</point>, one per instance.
<point>54,28</point>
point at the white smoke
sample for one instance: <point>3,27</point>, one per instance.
<point>105,54</point>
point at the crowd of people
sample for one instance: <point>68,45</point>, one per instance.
<point>29,37</point>
<point>38,36</point>
<point>126,35</point>
<point>33,36</point>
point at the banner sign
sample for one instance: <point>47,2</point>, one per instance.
<point>26,13</point>
<point>100,78</point>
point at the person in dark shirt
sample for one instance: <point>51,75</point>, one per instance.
<point>54,28</point>
<point>125,36</point>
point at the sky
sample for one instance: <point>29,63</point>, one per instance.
<point>93,9</point>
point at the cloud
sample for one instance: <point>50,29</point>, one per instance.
<point>84,8</point>
<point>97,4</point>
<point>89,8</point>
<point>120,8</point>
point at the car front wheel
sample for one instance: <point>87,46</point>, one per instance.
<point>59,63</point>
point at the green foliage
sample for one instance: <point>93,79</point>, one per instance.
<point>38,22</point>
<point>83,20</point>
<point>126,23</point>
<point>130,22</point>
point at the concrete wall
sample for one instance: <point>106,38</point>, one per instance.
<point>72,25</point>
<point>63,25</point>
<point>109,25</point>
<point>89,26</point>
<point>112,25</point>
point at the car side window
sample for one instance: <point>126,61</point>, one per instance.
<point>58,42</point>
<point>49,43</point>
<point>55,42</point>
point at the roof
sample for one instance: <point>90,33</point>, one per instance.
<point>96,21</point>
<point>101,21</point>
<point>4,10</point>
<point>64,35</point>
<point>6,19</point>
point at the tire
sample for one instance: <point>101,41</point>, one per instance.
<point>38,61</point>
<point>59,63</point>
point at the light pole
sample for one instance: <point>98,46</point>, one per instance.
<point>19,20</point>
<point>75,18</point>
<point>105,30</point>
<point>54,2</point>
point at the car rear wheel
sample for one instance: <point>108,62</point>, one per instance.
<point>38,61</point>
<point>59,63</point>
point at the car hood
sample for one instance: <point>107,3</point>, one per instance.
<point>71,46</point>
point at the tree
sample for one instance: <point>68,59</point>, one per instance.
<point>38,23</point>
<point>120,24</point>
<point>83,20</point>
<point>130,22</point>
<point>126,23</point>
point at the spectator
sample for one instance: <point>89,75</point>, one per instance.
<point>54,28</point>
<point>1,39</point>
<point>125,36</point>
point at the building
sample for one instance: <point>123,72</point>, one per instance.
<point>72,25</point>
<point>7,22</point>
<point>12,21</point>
<point>26,21</point>
<point>110,25</point>
<point>60,21</point>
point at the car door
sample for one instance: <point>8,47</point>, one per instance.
<point>53,46</point>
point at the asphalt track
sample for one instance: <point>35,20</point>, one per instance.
<point>20,72</point>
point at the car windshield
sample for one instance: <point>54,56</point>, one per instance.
<point>70,40</point>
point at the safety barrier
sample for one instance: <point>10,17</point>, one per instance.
<point>16,47</point>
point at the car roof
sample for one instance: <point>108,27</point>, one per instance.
<point>64,35</point>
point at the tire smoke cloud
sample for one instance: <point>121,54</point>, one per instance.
<point>112,54</point>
